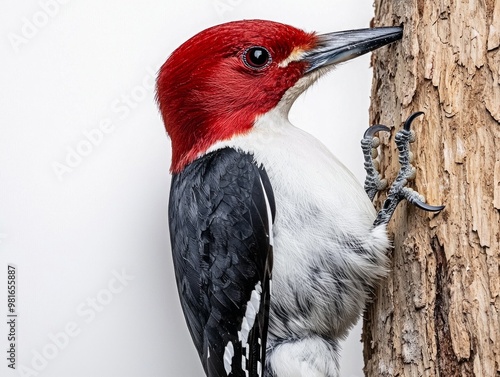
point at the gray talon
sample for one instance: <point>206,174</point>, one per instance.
<point>371,131</point>
<point>428,207</point>
<point>398,190</point>
<point>410,120</point>
<point>373,182</point>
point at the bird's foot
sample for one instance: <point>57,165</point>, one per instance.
<point>407,172</point>
<point>369,144</point>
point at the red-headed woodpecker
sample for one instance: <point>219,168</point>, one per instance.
<point>276,246</point>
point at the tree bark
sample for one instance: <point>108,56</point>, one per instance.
<point>438,312</point>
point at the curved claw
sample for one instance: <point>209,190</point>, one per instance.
<point>427,207</point>
<point>410,120</point>
<point>371,131</point>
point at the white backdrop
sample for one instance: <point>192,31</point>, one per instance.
<point>84,175</point>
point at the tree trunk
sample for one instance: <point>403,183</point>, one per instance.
<point>438,312</point>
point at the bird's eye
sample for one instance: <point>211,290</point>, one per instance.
<point>256,57</point>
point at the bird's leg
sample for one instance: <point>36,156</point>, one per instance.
<point>398,190</point>
<point>373,182</point>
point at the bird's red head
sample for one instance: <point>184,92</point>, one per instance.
<point>216,84</point>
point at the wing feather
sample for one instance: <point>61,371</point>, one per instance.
<point>220,214</point>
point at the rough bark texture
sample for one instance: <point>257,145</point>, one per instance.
<point>438,312</point>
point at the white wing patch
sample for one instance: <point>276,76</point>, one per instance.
<point>269,215</point>
<point>228,357</point>
<point>253,306</point>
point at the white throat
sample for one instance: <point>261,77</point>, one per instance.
<point>300,87</point>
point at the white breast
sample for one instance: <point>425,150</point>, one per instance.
<point>321,212</point>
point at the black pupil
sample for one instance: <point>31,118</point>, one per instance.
<point>257,57</point>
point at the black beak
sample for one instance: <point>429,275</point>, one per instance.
<point>340,46</point>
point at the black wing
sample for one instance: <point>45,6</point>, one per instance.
<point>220,214</point>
